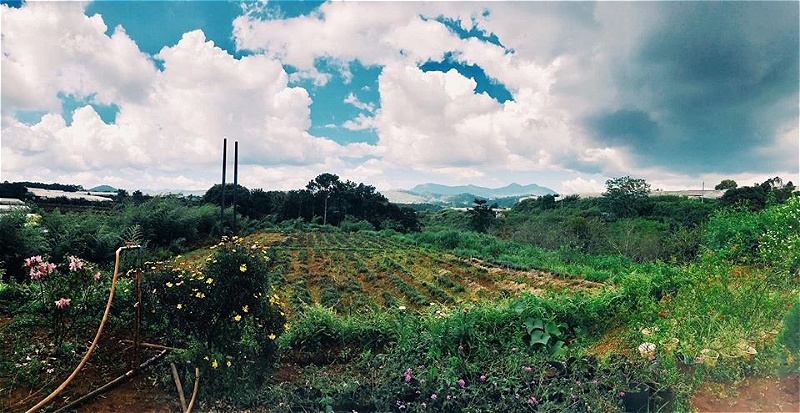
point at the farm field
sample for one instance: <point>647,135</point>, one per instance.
<point>355,271</point>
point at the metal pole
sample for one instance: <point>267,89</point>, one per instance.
<point>222,206</point>
<point>137,339</point>
<point>235,181</point>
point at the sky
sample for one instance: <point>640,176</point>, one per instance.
<point>139,95</point>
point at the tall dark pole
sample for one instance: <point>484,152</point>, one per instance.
<point>235,181</point>
<point>224,166</point>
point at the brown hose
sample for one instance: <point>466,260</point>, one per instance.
<point>194,392</point>
<point>96,337</point>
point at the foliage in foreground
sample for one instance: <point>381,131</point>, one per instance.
<point>225,313</point>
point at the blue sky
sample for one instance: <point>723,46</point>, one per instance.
<point>394,94</point>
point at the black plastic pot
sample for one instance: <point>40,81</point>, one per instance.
<point>637,400</point>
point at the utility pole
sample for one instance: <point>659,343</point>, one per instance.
<point>235,182</point>
<point>224,166</point>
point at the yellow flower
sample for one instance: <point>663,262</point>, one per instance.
<point>243,267</point>
<point>209,280</point>
<point>286,326</point>
<point>200,295</point>
<point>214,364</point>
<point>271,336</point>
<point>179,306</point>
<point>245,309</point>
<point>205,358</point>
<point>228,363</point>
<point>238,317</point>
<point>169,284</point>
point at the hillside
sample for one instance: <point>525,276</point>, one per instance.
<point>462,195</point>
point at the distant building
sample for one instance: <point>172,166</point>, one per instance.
<point>85,195</point>
<point>12,204</point>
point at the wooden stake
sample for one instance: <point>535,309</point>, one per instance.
<point>178,385</point>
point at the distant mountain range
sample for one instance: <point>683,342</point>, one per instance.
<point>463,195</point>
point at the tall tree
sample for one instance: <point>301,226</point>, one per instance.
<point>626,196</point>
<point>323,186</point>
<point>482,215</point>
<point>726,184</point>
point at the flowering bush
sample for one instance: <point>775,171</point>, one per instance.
<point>227,310</point>
<point>63,292</point>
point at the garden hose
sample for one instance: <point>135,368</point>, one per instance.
<point>96,337</point>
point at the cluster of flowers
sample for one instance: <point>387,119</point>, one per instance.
<point>41,270</point>
<point>38,267</point>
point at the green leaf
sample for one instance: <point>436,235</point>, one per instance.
<point>539,337</point>
<point>559,349</point>
<point>553,329</point>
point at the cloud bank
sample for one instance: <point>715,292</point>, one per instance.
<point>678,93</point>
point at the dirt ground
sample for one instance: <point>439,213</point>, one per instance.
<point>765,394</point>
<point>754,394</point>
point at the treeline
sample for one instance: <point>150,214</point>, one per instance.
<point>325,200</point>
<point>625,220</point>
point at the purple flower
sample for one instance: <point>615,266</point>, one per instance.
<point>482,378</point>
<point>461,383</point>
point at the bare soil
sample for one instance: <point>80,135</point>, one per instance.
<point>754,394</point>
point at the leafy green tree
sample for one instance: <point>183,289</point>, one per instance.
<point>482,215</point>
<point>726,184</point>
<point>625,196</point>
<point>758,196</point>
<point>324,186</point>
<point>244,201</point>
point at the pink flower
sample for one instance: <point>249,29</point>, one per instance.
<point>33,260</point>
<point>483,377</point>
<point>532,400</point>
<point>75,263</point>
<point>433,396</point>
<point>622,394</point>
<point>408,375</point>
<point>461,383</point>
<point>97,276</point>
<point>41,269</point>
<point>526,368</point>
<point>423,405</point>
<point>63,302</point>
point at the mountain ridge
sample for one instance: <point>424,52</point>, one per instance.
<point>512,189</point>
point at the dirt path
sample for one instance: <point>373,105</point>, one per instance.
<point>754,394</point>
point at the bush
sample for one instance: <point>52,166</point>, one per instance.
<point>789,335</point>
<point>228,312</point>
<point>19,238</point>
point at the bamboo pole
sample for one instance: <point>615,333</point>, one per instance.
<point>178,385</point>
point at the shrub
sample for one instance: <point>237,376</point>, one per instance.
<point>789,335</point>
<point>228,312</point>
<point>65,294</point>
<point>19,238</point>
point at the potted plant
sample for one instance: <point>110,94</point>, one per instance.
<point>669,344</point>
<point>637,398</point>
<point>709,356</point>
